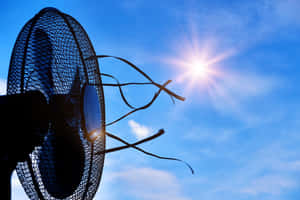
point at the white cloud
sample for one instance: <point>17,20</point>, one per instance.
<point>139,130</point>
<point>17,191</point>
<point>272,184</point>
<point>2,87</point>
<point>150,184</point>
<point>15,183</point>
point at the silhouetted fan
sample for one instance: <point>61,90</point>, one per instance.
<point>49,57</point>
<point>54,109</point>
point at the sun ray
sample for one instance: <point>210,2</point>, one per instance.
<point>199,67</point>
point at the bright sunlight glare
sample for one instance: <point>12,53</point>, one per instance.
<point>198,67</point>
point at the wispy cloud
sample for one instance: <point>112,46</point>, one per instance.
<point>287,11</point>
<point>271,184</point>
<point>232,91</point>
<point>150,184</point>
<point>131,5</point>
<point>289,165</point>
<point>246,22</point>
<point>139,130</point>
<point>269,172</point>
<point>213,135</point>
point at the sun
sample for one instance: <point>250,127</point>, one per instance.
<point>196,72</point>
<point>198,67</point>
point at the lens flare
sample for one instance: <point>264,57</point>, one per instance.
<point>199,67</point>
<point>94,135</point>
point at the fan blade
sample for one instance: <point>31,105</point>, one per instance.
<point>75,88</point>
<point>62,155</point>
<point>42,59</point>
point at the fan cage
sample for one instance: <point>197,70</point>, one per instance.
<point>70,46</point>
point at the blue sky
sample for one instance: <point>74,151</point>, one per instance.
<point>239,131</point>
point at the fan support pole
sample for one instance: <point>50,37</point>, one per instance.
<point>23,117</point>
<point>5,180</point>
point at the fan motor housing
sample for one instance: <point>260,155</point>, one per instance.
<point>25,119</point>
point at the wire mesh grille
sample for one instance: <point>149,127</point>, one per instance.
<point>51,66</point>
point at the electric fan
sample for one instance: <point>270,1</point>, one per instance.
<point>54,110</point>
